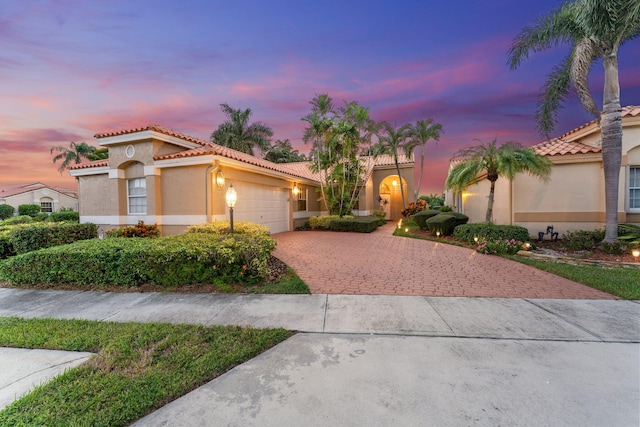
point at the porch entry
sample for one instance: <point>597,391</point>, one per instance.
<point>391,196</point>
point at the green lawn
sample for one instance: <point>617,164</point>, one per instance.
<point>137,367</point>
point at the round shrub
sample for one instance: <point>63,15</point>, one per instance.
<point>421,217</point>
<point>6,211</point>
<point>442,223</point>
<point>31,210</point>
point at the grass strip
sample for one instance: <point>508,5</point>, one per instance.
<point>621,282</point>
<point>137,368</point>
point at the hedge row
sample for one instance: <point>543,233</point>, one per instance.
<point>358,224</point>
<point>172,261</point>
<point>439,222</point>
<point>490,232</point>
<point>22,238</point>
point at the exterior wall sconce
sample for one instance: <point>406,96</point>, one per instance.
<point>231,198</point>
<point>295,190</point>
<point>220,179</point>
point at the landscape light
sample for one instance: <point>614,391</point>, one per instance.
<point>231,199</point>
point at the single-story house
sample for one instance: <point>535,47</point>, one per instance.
<point>573,199</point>
<point>161,176</point>
<point>50,198</point>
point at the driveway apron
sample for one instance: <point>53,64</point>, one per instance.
<point>379,263</point>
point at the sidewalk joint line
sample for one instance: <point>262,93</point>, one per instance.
<point>593,334</point>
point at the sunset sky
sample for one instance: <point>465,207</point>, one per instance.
<point>72,68</point>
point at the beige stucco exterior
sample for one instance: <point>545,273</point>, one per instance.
<point>180,176</point>
<point>38,194</point>
<point>573,198</point>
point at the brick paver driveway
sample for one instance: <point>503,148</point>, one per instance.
<point>379,263</point>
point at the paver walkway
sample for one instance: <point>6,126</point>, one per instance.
<point>379,263</point>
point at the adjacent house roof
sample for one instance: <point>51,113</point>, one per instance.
<point>559,147</point>
<point>15,189</point>
<point>628,111</point>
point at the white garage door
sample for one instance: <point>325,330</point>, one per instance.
<point>263,205</point>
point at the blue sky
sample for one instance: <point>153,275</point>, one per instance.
<point>73,68</point>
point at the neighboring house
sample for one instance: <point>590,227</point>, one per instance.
<point>573,199</point>
<point>160,176</point>
<point>50,198</point>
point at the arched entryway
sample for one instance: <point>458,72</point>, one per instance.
<point>391,196</point>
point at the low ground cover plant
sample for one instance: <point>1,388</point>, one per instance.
<point>137,368</point>
<point>224,227</point>
<point>490,232</point>
<point>582,240</point>
<point>499,247</point>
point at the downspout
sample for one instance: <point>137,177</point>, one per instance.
<point>208,187</point>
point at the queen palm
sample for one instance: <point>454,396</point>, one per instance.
<point>239,134</point>
<point>394,140</point>
<point>594,29</point>
<point>421,133</point>
<point>505,160</point>
<point>74,154</point>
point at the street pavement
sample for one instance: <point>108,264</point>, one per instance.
<point>380,360</point>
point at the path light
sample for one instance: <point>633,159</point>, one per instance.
<point>636,254</point>
<point>400,223</point>
<point>406,230</point>
<point>438,234</point>
<point>231,198</point>
<point>527,246</point>
<point>101,234</point>
<point>475,239</point>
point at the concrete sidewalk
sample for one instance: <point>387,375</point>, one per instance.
<point>389,360</point>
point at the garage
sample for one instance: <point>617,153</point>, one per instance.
<point>263,205</point>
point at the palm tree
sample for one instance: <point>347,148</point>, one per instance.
<point>75,153</point>
<point>421,133</point>
<point>99,154</point>
<point>395,140</point>
<point>238,134</point>
<point>594,29</point>
<point>283,152</point>
<point>506,160</point>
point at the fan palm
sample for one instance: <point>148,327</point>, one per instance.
<point>237,133</point>
<point>74,154</point>
<point>506,160</point>
<point>421,133</point>
<point>594,29</point>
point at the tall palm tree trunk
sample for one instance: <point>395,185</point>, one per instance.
<point>490,202</point>
<point>404,203</point>
<point>417,192</point>
<point>611,128</point>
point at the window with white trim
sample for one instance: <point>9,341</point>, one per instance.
<point>302,200</point>
<point>137,195</point>
<point>634,187</point>
<point>46,207</point>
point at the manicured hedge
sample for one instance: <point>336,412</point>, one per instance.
<point>31,210</point>
<point>443,223</point>
<point>189,258</point>
<point>44,235</point>
<point>65,216</point>
<point>421,217</point>
<point>323,222</point>
<point>223,227</point>
<point>6,211</point>
<point>20,219</point>
<point>491,232</point>
<point>358,224</point>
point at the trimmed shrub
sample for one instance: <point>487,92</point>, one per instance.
<point>445,209</point>
<point>223,227</point>
<point>41,217</point>
<point>443,223</point>
<point>6,211</point>
<point>414,208</point>
<point>65,216</point>
<point>31,210</point>
<point>482,231</point>
<point>582,240</point>
<point>358,224</point>
<point>139,230</point>
<point>6,247</point>
<point>189,258</point>
<point>324,221</point>
<point>421,217</point>
<point>40,236</point>
<point>20,219</point>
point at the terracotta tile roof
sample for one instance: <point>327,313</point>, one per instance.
<point>558,147</point>
<point>628,111</point>
<point>15,189</point>
<point>155,128</point>
<point>94,164</point>
<point>387,160</point>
